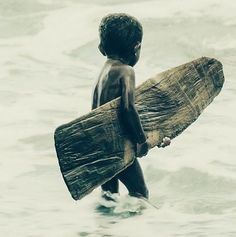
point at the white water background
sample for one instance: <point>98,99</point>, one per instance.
<point>49,62</point>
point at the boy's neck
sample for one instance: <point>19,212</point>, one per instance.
<point>117,58</point>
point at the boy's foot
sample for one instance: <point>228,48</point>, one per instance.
<point>108,196</point>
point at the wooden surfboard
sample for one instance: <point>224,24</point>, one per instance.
<point>95,147</point>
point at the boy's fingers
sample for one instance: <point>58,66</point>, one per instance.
<point>165,141</point>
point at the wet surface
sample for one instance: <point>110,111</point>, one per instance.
<point>49,63</point>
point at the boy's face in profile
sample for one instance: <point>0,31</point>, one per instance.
<point>136,55</point>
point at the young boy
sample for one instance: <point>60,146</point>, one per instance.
<point>120,41</point>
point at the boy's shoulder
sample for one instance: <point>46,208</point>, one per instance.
<point>122,70</point>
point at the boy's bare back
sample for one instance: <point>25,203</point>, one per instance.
<point>111,82</point>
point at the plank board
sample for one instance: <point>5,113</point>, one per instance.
<point>95,147</point>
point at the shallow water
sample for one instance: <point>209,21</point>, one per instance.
<point>48,65</point>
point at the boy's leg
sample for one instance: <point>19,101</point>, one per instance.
<point>111,186</point>
<point>132,178</point>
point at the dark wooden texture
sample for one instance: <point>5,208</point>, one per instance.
<point>95,147</point>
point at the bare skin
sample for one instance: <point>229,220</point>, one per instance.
<point>117,78</point>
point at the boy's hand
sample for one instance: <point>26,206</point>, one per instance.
<point>142,149</point>
<point>165,142</point>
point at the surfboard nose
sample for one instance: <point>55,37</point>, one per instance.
<point>214,69</point>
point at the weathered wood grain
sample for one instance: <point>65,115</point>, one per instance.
<point>95,147</point>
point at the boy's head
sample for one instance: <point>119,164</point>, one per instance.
<point>121,36</point>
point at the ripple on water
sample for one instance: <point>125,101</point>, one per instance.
<point>41,142</point>
<point>192,191</point>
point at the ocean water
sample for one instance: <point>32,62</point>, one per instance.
<point>49,62</point>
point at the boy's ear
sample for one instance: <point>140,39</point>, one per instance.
<point>101,49</point>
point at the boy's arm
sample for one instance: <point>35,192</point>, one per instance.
<point>129,110</point>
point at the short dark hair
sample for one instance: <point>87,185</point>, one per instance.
<point>119,33</point>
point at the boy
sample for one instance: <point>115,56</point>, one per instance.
<point>120,41</point>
